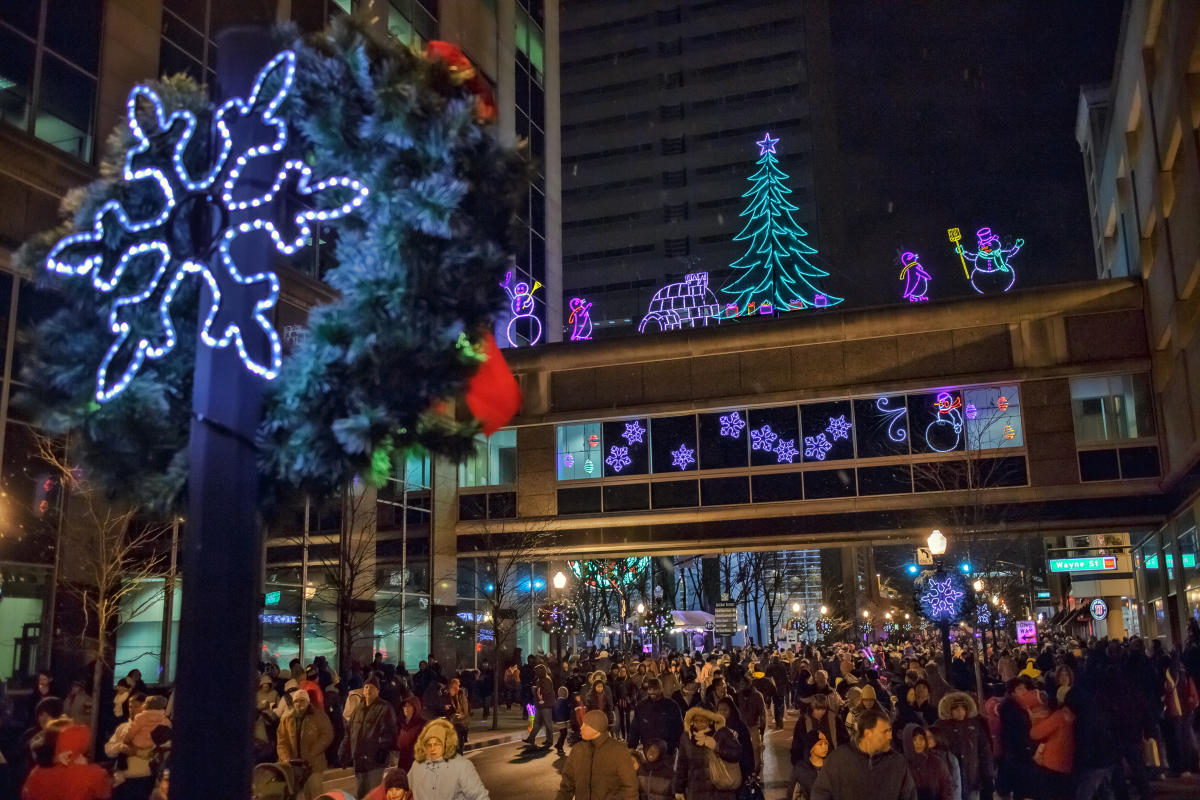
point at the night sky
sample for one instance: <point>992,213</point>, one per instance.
<point>960,113</point>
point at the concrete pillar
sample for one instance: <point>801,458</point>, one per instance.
<point>553,172</point>
<point>128,55</point>
<point>443,559</point>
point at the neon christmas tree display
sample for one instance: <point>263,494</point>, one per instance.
<point>775,270</point>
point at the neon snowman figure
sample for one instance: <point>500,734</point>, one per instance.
<point>916,279</point>
<point>580,320</point>
<point>944,434</point>
<point>990,270</point>
<point>521,298</point>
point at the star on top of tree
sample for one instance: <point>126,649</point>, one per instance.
<point>766,144</point>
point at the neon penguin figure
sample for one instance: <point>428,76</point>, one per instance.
<point>580,319</point>
<point>944,433</point>
<point>521,297</point>
<point>990,269</point>
<point>916,279</point>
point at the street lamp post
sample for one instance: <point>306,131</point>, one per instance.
<point>978,587</point>
<point>937,548</point>
<point>560,582</point>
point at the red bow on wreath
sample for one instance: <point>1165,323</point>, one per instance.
<point>463,73</point>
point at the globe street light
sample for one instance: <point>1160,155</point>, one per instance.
<point>824,611</point>
<point>937,543</point>
<point>978,585</point>
<point>795,608</point>
<point>866,614</point>
<point>560,581</point>
<point>937,548</point>
<point>641,608</point>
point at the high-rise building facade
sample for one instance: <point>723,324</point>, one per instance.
<point>662,106</point>
<point>1140,140</point>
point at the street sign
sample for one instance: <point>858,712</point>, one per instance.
<point>1084,564</point>
<point>1189,561</point>
<point>924,557</point>
<point>1099,608</point>
<point>725,615</point>
<point>1043,595</point>
<point>1026,631</point>
<point>792,637</point>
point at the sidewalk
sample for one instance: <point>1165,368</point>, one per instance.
<point>514,726</point>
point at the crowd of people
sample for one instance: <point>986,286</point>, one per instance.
<point>1070,720</point>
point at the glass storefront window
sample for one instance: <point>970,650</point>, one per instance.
<point>139,637</point>
<point>1191,571</point>
<point>580,451</point>
<point>1112,408</point>
<point>494,462</point>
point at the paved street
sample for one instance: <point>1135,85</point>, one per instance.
<point>512,773</point>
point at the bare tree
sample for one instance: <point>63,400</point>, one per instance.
<point>591,606</point>
<point>115,556</point>
<point>504,553</point>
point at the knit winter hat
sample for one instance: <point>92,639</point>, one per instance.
<point>597,720</point>
<point>868,693</point>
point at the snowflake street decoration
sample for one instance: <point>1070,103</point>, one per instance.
<point>732,424</point>
<point>816,446</point>
<point>786,450</point>
<point>634,433</point>
<point>618,458</point>
<point>763,439</point>
<point>942,600</point>
<point>838,428</point>
<point>683,456</point>
<point>105,252</point>
<point>983,615</point>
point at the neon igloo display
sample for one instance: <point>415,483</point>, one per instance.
<point>679,304</point>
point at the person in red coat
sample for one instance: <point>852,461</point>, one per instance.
<point>408,731</point>
<point>69,776</point>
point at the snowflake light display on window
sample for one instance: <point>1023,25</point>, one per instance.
<point>634,433</point>
<point>732,424</point>
<point>838,428</point>
<point>683,456</point>
<point>816,446</point>
<point>763,439</point>
<point>618,458</point>
<point>785,450</point>
<point>235,204</point>
<point>942,599</point>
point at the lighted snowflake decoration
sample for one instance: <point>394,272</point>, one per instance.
<point>618,458</point>
<point>732,424</point>
<point>785,451</point>
<point>683,456</point>
<point>634,433</point>
<point>816,446</point>
<point>116,239</point>
<point>838,428</point>
<point>763,439</point>
<point>983,615</point>
<point>942,600</point>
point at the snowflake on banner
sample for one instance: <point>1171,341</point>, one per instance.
<point>816,446</point>
<point>683,456</point>
<point>732,424</point>
<point>140,318</point>
<point>786,450</point>
<point>839,428</point>
<point>633,433</point>
<point>618,458</point>
<point>763,439</point>
<point>942,600</point>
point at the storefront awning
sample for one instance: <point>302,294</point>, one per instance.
<point>692,620</point>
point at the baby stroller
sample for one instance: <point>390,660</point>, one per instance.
<point>278,781</point>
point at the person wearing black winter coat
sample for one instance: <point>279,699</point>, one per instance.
<point>727,708</point>
<point>704,730</point>
<point>656,717</point>
<point>967,738</point>
<point>864,768</point>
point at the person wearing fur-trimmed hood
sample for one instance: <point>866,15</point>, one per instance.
<point>704,730</point>
<point>960,723</point>
<point>440,771</point>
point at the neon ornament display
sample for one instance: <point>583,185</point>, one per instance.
<point>839,428</point>
<point>785,451</point>
<point>990,269</point>
<point>568,460</point>
<point>593,441</point>
<point>815,447</point>
<point>634,433</point>
<point>580,319</point>
<point>679,304</point>
<point>588,466</point>
<point>732,424</point>
<point>618,458</point>
<point>895,418</point>
<point>763,439</point>
<point>943,598</point>
<point>682,457</point>
<point>916,279</point>
<point>944,433</point>
<point>520,298</point>
<point>88,252</point>
<point>971,411</point>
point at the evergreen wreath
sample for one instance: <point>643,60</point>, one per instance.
<point>417,279</point>
<point>558,618</point>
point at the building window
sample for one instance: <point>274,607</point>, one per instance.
<point>49,59</point>
<point>410,23</point>
<point>494,462</point>
<point>1113,408</point>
